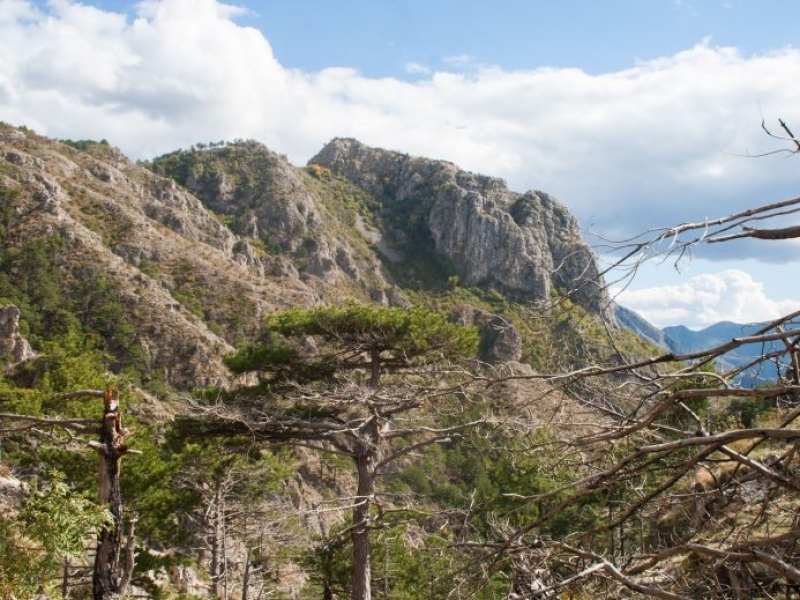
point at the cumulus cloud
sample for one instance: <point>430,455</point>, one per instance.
<point>730,295</point>
<point>654,144</point>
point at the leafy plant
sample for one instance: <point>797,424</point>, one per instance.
<point>54,524</point>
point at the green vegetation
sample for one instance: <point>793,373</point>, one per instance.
<point>241,168</point>
<point>355,434</point>
<point>85,145</point>
<point>165,486</point>
<point>551,333</point>
<point>53,524</point>
<point>387,354</point>
<point>404,339</point>
<point>54,301</point>
<point>9,199</point>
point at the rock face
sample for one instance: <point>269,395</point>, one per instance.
<point>300,218</point>
<point>12,344</point>
<point>527,245</point>
<point>499,340</point>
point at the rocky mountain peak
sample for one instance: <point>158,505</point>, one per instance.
<point>527,245</point>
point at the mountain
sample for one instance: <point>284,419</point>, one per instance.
<point>528,245</point>
<point>640,326</point>
<point>175,261</point>
<point>144,276</point>
<point>679,339</point>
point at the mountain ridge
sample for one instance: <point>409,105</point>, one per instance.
<point>527,244</point>
<point>679,339</point>
<point>208,241</point>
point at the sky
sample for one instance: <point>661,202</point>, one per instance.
<point>634,113</point>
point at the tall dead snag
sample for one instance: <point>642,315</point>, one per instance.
<point>106,582</point>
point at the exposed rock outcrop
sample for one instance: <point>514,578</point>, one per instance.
<point>14,348</point>
<point>500,342</point>
<point>292,214</point>
<point>528,245</point>
<point>185,285</point>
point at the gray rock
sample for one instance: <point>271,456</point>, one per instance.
<point>260,195</point>
<point>13,347</point>
<point>527,245</point>
<point>499,340</point>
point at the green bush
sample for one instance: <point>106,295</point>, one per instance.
<point>55,523</point>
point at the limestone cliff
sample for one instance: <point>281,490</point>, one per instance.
<point>527,245</point>
<point>304,222</point>
<point>14,348</point>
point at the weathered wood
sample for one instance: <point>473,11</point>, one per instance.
<point>110,449</point>
<point>362,571</point>
<point>130,557</point>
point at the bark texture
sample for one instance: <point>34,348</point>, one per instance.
<point>111,448</point>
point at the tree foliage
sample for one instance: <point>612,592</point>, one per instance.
<point>351,337</point>
<point>54,523</point>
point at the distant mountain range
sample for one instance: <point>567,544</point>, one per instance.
<point>682,340</point>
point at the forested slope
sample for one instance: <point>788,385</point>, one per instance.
<point>204,286</point>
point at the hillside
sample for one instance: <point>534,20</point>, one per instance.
<point>147,275</point>
<point>640,326</point>
<point>275,336</point>
<point>197,253</point>
<point>682,340</point>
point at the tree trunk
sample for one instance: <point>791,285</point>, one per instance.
<point>130,557</point>
<point>110,448</point>
<point>362,570</point>
<point>327,592</point>
<point>375,368</point>
<point>105,581</point>
<point>65,578</point>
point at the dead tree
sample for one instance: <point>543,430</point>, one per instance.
<point>107,580</point>
<point>674,485</point>
<point>702,506</point>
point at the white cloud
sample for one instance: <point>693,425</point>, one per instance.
<point>730,295</point>
<point>417,69</point>
<point>646,146</point>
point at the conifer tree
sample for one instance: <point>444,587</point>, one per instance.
<point>349,380</point>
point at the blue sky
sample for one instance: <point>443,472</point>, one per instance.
<point>381,37</point>
<point>635,114</point>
